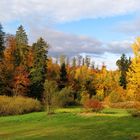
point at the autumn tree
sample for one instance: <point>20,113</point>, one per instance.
<point>105,82</point>
<point>14,78</point>
<point>85,76</point>
<point>7,67</point>
<point>21,81</point>
<point>6,79</point>
<point>123,64</point>
<point>133,74</point>
<point>10,51</point>
<point>53,70</point>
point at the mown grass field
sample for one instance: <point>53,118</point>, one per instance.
<point>71,124</point>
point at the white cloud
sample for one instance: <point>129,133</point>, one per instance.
<point>130,27</point>
<point>64,10</point>
<point>64,43</point>
<point>70,44</point>
<point>119,47</point>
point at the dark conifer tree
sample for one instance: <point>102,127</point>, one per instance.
<point>39,70</point>
<point>63,76</point>
<point>21,46</point>
<point>123,64</point>
<point>2,47</point>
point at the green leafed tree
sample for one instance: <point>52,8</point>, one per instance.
<point>50,95</point>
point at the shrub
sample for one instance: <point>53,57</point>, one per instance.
<point>137,105</point>
<point>18,105</point>
<point>126,105</point>
<point>50,95</point>
<point>115,97</point>
<point>134,112</point>
<point>65,97</point>
<point>84,97</point>
<point>93,105</point>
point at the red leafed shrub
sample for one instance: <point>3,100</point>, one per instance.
<point>93,105</point>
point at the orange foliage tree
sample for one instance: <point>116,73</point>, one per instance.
<point>21,81</point>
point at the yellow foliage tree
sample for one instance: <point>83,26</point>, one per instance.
<point>133,74</point>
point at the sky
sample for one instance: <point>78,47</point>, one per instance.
<point>102,29</point>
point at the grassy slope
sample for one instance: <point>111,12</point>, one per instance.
<point>68,124</point>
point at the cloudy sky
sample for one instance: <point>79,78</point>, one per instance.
<point>103,29</point>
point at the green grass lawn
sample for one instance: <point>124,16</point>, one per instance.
<point>71,124</point>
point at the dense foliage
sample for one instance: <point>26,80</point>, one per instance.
<point>27,70</point>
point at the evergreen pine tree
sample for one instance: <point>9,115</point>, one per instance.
<point>123,64</point>
<point>63,76</point>
<point>39,70</point>
<point>2,47</point>
<point>22,46</point>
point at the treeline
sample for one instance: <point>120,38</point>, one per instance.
<point>26,70</point>
<point>23,68</point>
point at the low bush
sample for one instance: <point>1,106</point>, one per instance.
<point>137,105</point>
<point>115,97</point>
<point>93,105</point>
<point>18,105</point>
<point>65,97</point>
<point>84,97</point>
<point>126,105</point>
<point>134,112</point>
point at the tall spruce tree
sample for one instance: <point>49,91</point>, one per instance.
<point>123,64</point>
<point>2,66</point>
<point>22,46</point>
<point>2,47</point>
<point>39,70</point>
<point>63,76</point>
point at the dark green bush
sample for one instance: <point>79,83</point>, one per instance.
<point>65,97</point>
